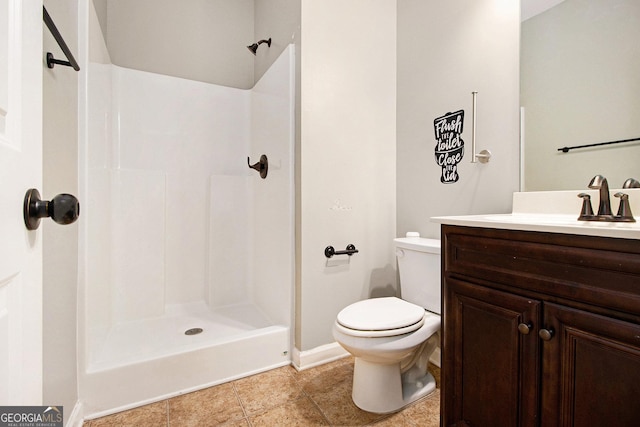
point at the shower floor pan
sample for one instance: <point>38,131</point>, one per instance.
<point>144,361</point>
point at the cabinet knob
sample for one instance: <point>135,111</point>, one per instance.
<point>525,328</point>
<point>546,334</point>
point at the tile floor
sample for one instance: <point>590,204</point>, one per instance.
<point>320,396</point>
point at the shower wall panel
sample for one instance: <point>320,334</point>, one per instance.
<point>187,131</point>
<point>180,126</point>
<point>95,209</point>
<point>138,236</point>
<point>229,240</point>
<point>186,237</point>
<point>272,129</point>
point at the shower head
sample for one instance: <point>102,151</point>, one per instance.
<point>254,47</point>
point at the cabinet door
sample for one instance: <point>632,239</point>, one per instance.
<point>591,370</point>
<point>491,357</point>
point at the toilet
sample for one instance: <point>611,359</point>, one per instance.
<point>392,339</point>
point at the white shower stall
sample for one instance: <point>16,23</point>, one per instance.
<point>178,234</point>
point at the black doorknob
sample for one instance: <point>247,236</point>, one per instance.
<point>63,209</point>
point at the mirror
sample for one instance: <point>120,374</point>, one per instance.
<point>579,85</point>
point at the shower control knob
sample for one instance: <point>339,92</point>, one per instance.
<point>63,209</point>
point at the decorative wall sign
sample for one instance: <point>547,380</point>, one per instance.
<point>449,144</point>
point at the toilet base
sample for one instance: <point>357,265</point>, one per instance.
<point>380,388</point>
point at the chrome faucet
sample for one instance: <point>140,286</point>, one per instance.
<point>599,182</point>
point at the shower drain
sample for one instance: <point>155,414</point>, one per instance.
<point>193,331</point>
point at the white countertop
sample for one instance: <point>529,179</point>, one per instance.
<point>546,223</point>
<point>554,212</point>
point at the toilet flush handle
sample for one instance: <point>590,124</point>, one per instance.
<point>399,253</point>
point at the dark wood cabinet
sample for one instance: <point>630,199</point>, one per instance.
<point>539,329</point>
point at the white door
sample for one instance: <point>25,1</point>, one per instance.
<point>21,63</point>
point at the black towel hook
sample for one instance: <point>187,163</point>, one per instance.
<point>262,166</point>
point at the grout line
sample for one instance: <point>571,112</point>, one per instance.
<point>317,407</point>
<point>295,375</point>
<point>168,412</point>
<point>244,411</point>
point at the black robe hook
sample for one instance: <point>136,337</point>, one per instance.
<point>262,166</point>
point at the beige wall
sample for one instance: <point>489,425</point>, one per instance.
<point>278,20</point>
<point>346,159</point>
<point>60,243</point>
<point>446,50</point>
<point>580,85</point>
<point>100,7</point>
<point>205,41</point>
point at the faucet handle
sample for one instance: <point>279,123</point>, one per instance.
<point>624,210</point>
<point>587,210</point>
<point>631,183</point>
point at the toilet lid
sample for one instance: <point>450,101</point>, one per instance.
<point>380,314</point>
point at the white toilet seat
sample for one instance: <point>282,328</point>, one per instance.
<point>380,317</point>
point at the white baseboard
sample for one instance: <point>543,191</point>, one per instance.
<point>76,418</point>
<point>302,360</point>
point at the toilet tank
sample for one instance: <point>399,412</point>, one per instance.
<point>419,269</point>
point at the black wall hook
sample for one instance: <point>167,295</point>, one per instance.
<point>262,166</point>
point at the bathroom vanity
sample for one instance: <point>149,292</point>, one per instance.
<point>539,327</point>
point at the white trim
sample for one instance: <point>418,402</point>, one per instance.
<point>302,360</point>
<point>522,153</point>
<point>76,418</point>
